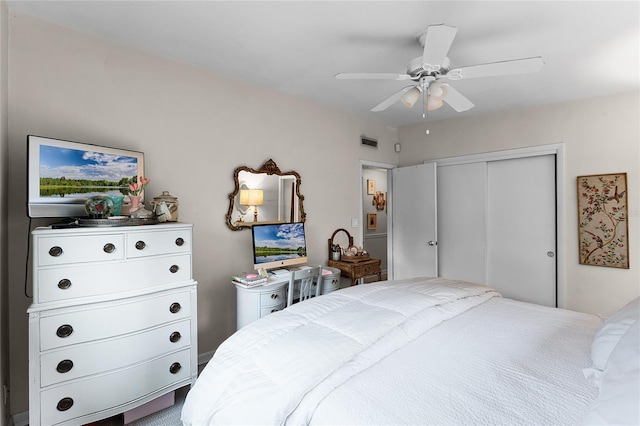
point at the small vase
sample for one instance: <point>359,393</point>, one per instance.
<point>135,203</point>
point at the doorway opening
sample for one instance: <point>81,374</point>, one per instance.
<point>375,208</point>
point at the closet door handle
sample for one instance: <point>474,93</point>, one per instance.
<point>432,243</point>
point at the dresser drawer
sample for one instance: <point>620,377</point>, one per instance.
<point>64,283</point>
<point>85,360</point>
<point>79,248</point>
<point>367,269</point>
<point>105,320</point>
<point>273,298</point>
<point>83,397</point>
<point>272,309</point>
<point>140,244</point>
<point>330,285</point>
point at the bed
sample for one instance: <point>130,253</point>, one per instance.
<point>422,351</point>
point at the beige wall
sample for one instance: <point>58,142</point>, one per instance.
<point>194,127</point>
<point>4,347</point>
<point>600,136</point>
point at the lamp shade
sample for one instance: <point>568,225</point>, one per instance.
<point>410,98</point>
<point>251,197</point>
<point>437,92</point>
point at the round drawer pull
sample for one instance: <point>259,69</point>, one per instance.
<point>140,245</point>
<point>55,251</point>
<point>179,242</point>
<point>174,337</point>
<point>64,366</point>
<point>64,284</point>
<point>64,404</point>
<point>64,331</point>
<point>174,269</point>
<point>109,248</point>
<point>175,308</point>
<point>175,367</point>
<point>274,296</point>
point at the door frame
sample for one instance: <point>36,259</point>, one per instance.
<point>551,149</point>
<point>365,164</point>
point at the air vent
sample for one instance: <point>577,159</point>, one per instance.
<point>369,142</point>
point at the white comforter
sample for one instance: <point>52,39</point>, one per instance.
<point>262,373</point>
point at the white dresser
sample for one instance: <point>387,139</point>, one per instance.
<point>113,320</point>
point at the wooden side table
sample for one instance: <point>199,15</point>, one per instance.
<point>357,270</point>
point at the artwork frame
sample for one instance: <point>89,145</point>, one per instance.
<point>603,226</point>
<point>372,220</point>
<point>371,187</point>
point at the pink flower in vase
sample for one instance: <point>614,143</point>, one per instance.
<point>136,188</point>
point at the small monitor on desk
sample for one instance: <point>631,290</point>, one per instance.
<point>276,246</point>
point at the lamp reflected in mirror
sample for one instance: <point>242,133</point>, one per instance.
<point>252,198</point>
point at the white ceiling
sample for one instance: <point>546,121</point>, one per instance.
<point>590,48</point>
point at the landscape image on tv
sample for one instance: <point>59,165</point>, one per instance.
<point>279,242</point>
<point>77,173</point>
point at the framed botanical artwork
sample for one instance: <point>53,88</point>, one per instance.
<point>603,229</point>
<point>371,187</point>
<point>372,220</point>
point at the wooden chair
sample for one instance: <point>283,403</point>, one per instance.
<point>310,282</point>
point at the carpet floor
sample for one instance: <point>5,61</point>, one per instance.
<point>168,417</point>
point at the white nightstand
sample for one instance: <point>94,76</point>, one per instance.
<point>256,302</point>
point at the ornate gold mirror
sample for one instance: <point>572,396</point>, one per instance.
<point>266,195</point>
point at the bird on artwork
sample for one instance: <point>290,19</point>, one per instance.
<point>616,196</point>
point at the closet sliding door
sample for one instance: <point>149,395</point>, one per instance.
<point>521,228</point>
<point>462,232</point>
<point>497,225</point>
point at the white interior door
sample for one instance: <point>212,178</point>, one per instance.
<point>414,234</point>
<point>521,228</point>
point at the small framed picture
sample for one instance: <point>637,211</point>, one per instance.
<point>371,187</point>
<point>372,220</point>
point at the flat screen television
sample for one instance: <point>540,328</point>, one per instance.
<point>278,245</point>
<point>62,175</point>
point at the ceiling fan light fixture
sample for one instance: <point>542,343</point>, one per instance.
<point>433,103</point>
<point>410,98</point>
<point>438,89</point>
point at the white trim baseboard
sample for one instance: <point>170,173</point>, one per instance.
<point>19,419</point>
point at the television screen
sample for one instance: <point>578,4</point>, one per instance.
<point>62,175</point>
<point>278,245</point>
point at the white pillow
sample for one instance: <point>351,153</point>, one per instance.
<point>619,400</point>
<point>611,331</point>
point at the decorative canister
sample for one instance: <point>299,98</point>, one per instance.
<point>169,201</point>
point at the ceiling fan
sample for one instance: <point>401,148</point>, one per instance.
<point>428,71</point>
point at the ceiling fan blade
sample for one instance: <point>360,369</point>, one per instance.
<point>372,76</point>
<point>516,66</point>
<point>437,42</point>
<point>457,100</point>
<point>391,99</point>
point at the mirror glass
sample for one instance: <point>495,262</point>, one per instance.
<point>266,195</point>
